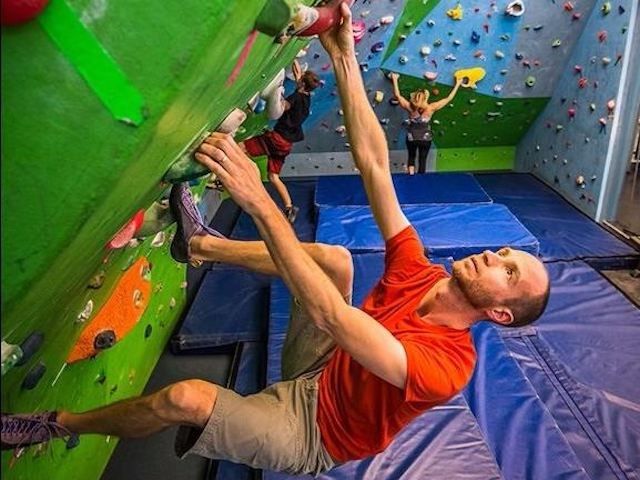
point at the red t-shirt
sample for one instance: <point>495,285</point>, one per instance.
<point>358,412</point>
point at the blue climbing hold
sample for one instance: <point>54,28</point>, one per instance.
<point>475,37</point>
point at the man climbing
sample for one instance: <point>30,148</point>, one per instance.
<point>352,377</point>
<point>276,144</point>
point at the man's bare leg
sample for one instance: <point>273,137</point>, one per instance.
<point>281,188</point>
<point>189,402</point>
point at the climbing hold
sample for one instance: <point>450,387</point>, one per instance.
<point>571,112</point>
<point>105,339</point>
<point>431,76</point>
<point>408,24</point>
<point>384,121</point>
<point>606,61</point>
<point>341,113</point>
<point>158,240</point>
<point>435,91</point>
<point>556,43</point>
<point>127,232</point>
<point>499,54</point>
<point>538,28</point>
<point>618,58</point>
<point>377,47</point>
<point>499,104</point>
<point>86,312</point>
<point>568,6</point>
<point>587,139</point>
<point>603,122</point>
<point>505,37</point>
<point>602,35</point>
<point>172,303</point>
<point>537,148</point>
<point>515,8</point>
<point>519,55</point>
<point>565,161</point>
<point>431,22</point>
<point>576,16</point>
<point>425,50</point>
<point>577,69</point>
<point>494,114</point>
<point>526,64</point>
<point>97,280</point>
<point>393,101</point>
<point>309,21</point>
<point>471,75</point>
<point>472,101</point>
<point>583,82</point>
<point>457,43</point>
<point>497,88</point>
<point>504,72</point>
<point>611,105</point>
<point>379,96</point>
<point>475,37</point>
<point>530,81</point>
<point>363,67</point>
<point>147,331</point>
<point>605,8</point>
<point>365,13</point>
<point>592,107</point>
<point>359,29</point>
<point>437,43</point>
<point>342,130</point>
<point>450,57</point>
<point>621,9</point>
<point>580,181</point>
<point>402,38</point>
<point>386,20</point>
<point>594,178</point>
<point>455,13</point>
<point>14,12</point>
<point>559,128</point>
<point>33,376</point>
<point>403,59</point>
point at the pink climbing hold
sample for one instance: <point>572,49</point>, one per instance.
<point>127,232</point>
<point>583,82</point>
<point>611,106</point>
<point>577,69</point>
<point>359,29</point>
<point>602,35</point>
<point>328,16</point>
<point>576,16</point>
<point>571,112</point>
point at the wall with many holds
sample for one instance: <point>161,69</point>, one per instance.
<point>569,145</point>
<point>426,42</point>
<point>99,99</point>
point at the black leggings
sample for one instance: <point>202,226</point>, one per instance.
<point>421,147</point>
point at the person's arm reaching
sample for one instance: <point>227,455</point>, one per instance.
<point>445,101</point>
<point>368,143</point>
<point>360,335</point>
<point>404,103</point>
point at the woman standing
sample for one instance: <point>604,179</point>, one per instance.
<point>419,134</point>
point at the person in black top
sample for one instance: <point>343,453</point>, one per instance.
<point>276,144</point>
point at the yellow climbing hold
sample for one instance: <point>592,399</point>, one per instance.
<point>470,76</point>
<point>455,13</point>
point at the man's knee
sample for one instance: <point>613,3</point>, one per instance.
<point>189,401</point>
<point>337,263</point>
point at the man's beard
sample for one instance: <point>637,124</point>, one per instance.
<point>472,289</point>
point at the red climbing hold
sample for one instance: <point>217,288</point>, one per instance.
<point>602,35</point>
<point>583,82</point>
<point>126,233</point>
<point>359,29</point>
<point>328,16</point>
<point>568,6</point>
<point>14,12</point>
<point>571,112</point>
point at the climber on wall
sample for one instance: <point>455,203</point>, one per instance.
<point>352,377</point>
<point>419,134</point>
<point>276,144</point>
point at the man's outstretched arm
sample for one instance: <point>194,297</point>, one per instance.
<point>368,143</point>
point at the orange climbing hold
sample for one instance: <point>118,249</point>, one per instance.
<point>118,316</point>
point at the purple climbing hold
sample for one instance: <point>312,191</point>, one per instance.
<point>377,47</point>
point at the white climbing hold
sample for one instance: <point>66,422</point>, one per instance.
<point>403,59</point>
<point>580,180</point>
<point>425,50</point>
<point>499,54</point>
<point>379,96</point>
<point>86,312</point>
<point>386,20</point>
<point>342,130</point>
<point>450,57</point>
<point>497,88</point>
<point>158,240</point>
<point>515,8</point>
<point>431,76</point>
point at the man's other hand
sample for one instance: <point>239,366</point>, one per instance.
<point>338,41</point>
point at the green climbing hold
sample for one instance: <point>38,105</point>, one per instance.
<point>274,17</point>
<point>530,81</point>
<point>472,101</point>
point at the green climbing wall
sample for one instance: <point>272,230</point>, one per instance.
<point>73,174</point>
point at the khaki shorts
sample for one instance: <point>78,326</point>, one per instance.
<point>275,429</point>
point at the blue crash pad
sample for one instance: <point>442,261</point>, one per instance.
<point>563,231</point>
<point>411,189</point>
<point>523,436</point>
<point>446,230</point>
<point>231,306</point>
<point>582,359</point>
